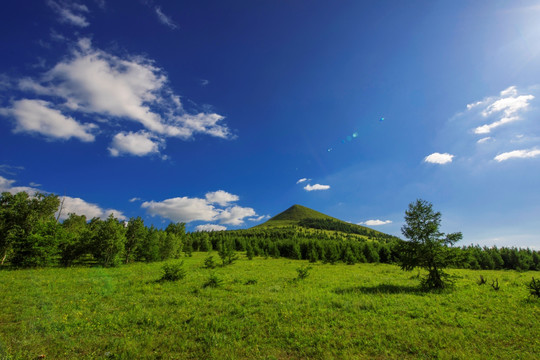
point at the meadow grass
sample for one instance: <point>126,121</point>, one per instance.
<point>259,311</point>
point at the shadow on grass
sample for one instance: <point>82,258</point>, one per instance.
<point>381,289</point>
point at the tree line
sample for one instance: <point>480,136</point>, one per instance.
<point>31,235</point>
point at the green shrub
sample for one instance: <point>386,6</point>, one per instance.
<point>303,272</point>
<point>213,281</point>
<point>173,272</point>
<point>534,288</point>
<point>209,262</point>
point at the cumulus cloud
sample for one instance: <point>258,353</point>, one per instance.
<point>185,209</point>
<point>210,227</point>
<point>302,180</point>
<point>138,144</point>
<point>517,154</point>
<point>221,197</point>
<point>235,215</point>
<point>164,19</point>
<point>81,207</point>
<point>70,204</point>
<point>438,158</point>
<point>98,85</point>
<point>182,209</point>
<point>316,187</point>
<point>37,116</point>
<point>70,12</point>
<point>375,222</point>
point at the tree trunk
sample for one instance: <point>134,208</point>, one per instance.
<point>4,258</point>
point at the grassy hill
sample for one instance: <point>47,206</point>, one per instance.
<point>293,215</point>
<point>308,220</point>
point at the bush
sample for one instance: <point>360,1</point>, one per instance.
<point>303,272</point>
<point>213,281</point>
<point>209,262</point>
<point>173,272</point>
<point>534,288</point>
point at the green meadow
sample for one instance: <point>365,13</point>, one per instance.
<point>260,310</point>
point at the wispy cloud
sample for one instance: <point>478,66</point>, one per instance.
<point>507,108</point>
<point>316,187</point>
<point>164,19</point>
<point>135,199</point>
<point>484,139</point>
<point>70,12</point>
<point>517,154</point>
<point>438,158</point>
<point>302,180</point>
<point>375,222</point>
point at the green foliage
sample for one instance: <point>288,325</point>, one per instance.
<point>39,248</point>
<point>534,287</point>
<point>136,232</point>
<point>250,253</point>
<point>427,246</point>
<point>22,220</point>
<point>213,281</point>
<point>108,243</point>
<point>173,272</point>
<point>303,272</point>
<point>209,262</point>
<point>226,252</point>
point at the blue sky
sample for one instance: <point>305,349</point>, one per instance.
<point>223,113</point>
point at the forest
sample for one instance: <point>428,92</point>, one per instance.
<point>32,235</point>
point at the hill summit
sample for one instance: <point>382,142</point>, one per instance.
<point>299,212</point>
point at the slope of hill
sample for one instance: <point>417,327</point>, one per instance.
<point>306,219</point>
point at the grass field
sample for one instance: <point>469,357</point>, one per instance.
<point>340,311</point>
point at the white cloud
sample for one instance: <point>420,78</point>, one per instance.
<point>164,19</point>
<point>182,209</point>
<point>81,207</point>
<point>70,204</point>
<point>135,199</point>
<point>375,222</point>
<point>484,139</point>
<point>302,180</point>
<point>71,13</point>
<point>37,116</point>
<point>508,106</point>
<point>113,89</point>
<point>438,158</point>
<point>210,227</point>
<point>260,218</point>
<point>138,144</point>
<point>185,209</point>
<point>235,215</point>
<point>221,197</point>
<point>316,187</point>
<point>517,154</point>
